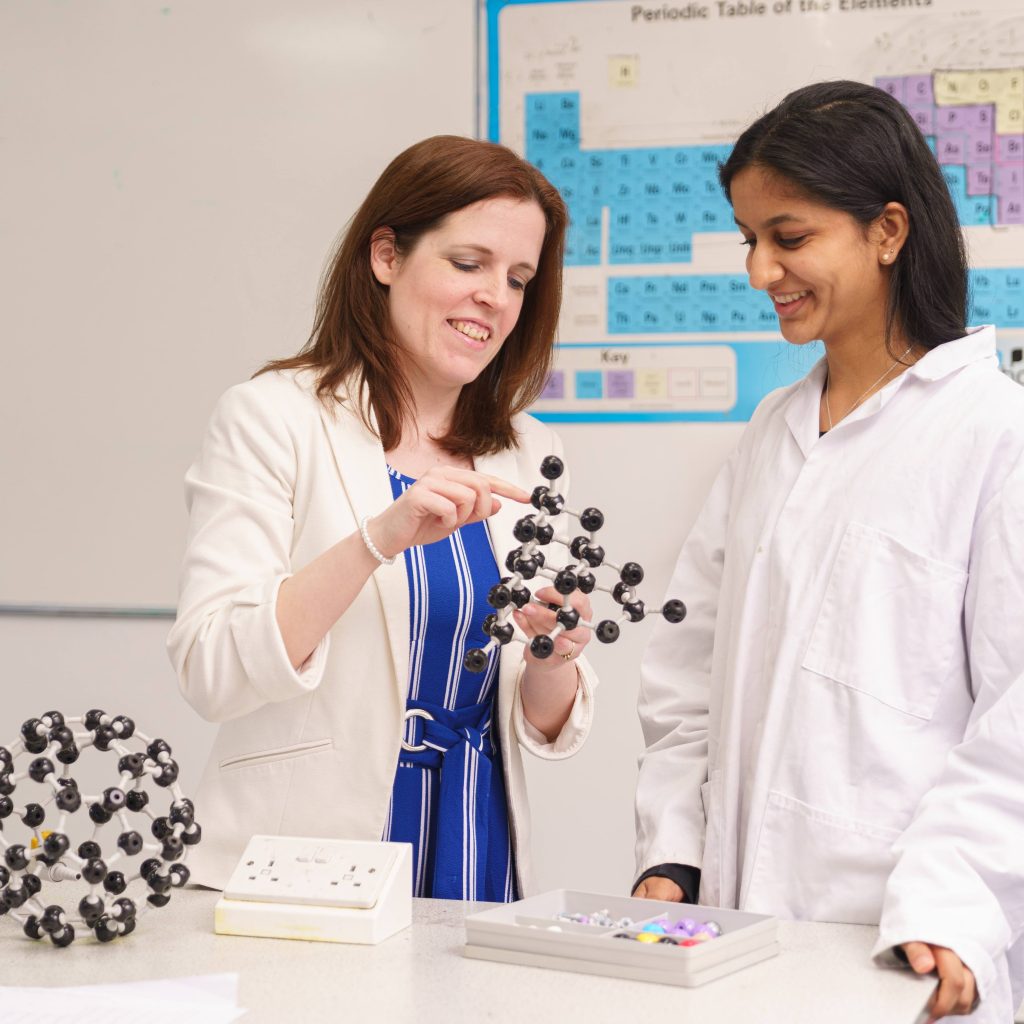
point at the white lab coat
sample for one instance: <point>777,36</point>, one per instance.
<point>854,606</point>
<point>279,480</point>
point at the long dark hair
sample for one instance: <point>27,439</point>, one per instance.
<point>855,148</point>
<point>352,340</point>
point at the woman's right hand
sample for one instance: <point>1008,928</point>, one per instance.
<point>441,501</point>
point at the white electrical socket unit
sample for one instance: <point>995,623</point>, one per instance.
<point>327,890</point>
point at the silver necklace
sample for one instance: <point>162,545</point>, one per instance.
<point>828,381</point>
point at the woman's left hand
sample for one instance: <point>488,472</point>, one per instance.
<point>534,619</point>
<point>956,992</point>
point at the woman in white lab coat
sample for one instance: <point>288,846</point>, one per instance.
<point>346,529</point>
<point>854,581</point>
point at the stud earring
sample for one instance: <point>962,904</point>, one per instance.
<point>888,255</point>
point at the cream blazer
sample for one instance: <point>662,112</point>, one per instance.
<point>313,752</point>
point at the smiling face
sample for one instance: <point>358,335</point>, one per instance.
<point>456,296</point>
<point>826,274</point>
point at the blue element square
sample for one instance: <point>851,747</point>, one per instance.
<point>589,384</point>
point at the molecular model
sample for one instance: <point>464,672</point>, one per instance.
<point>527,561</point>
<point>53,744</point>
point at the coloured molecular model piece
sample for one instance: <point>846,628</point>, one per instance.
<point>528,560</point>
<point>54,743</point>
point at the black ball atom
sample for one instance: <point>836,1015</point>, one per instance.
<point>565,581</point>
<point>499,596</point>
<point>578,545</point>
<point>568,617</point>
<point>34,815</point>
<point>520,596</point>
<point>40,768</point>
<point>503,632</point>
<point>14,857</point>
<point>55,845</point>
<point>674,610</point>
<point>94,870</point>
<point>586,581</point>
<point>94,718</point>
<point>635,610</point>
<point>130,842</point>
<point>53,919</point>
<point>474,661</point>
<point>136,799</point>
<point>115,883</point>
<point>593,555</point>
<point>542,646</point>
<point>591,519</point>
<point>545,533</point>
<point>68,798</point>
<point>632,574</point>
<point>113,799</point>
<point>525,529</point>
<point>91,909</point>
<point>172,848</point>
<point>607,631</point>
<point>179,875</point>
<point>552,467</point>
<point>527,567</point>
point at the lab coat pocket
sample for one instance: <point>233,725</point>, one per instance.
<point>890,624</point>
<point>816,866</point>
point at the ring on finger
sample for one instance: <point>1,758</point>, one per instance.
<point>572,650</point>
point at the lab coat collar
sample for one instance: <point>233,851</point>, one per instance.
<point>802,413</point>
<point>979,343</point>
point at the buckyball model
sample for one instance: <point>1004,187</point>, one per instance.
<point>527,561</point>
<point>53,743</point>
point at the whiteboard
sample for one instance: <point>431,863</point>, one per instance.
<point>174,175</point>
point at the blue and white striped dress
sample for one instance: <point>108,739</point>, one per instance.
<point>449,798</point>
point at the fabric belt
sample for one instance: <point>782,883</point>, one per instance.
<point>458,743</point>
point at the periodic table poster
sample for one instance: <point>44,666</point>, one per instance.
<point>629,108</point>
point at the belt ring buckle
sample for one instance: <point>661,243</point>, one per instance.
<point>415,713</point>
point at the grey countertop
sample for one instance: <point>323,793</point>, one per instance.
<point>822,973</point>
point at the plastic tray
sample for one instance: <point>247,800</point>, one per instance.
<point>527,933</point>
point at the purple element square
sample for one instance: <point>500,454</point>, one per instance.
<point>555,386</point>
<point>1009,149</point>
<point>1010,181</point>
<point>951,148</point>
<point>979,147</point>
<point>979,181</point>
<point>924,118</point>
<point>895,87</point>
<point>977,117</point>
<point>985,117</point>
<point>919,90</point>
<point>1011,211</point>
<point>951,119</point>
<point>619,383</point>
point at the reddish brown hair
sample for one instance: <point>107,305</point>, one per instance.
<point>352,340</point>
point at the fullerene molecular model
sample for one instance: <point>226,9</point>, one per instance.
<point>528,561</point>
<point>54,743</point>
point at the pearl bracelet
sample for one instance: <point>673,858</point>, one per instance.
<point>371,547</point>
